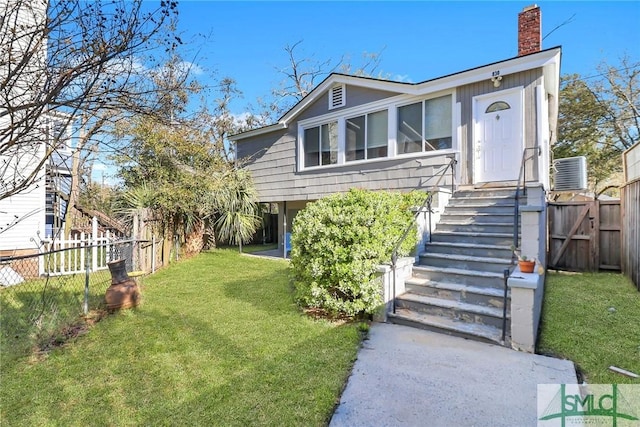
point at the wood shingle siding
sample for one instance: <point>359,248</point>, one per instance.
<point>272,162</point>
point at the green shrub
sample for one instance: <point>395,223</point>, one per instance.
<point>338,241</point>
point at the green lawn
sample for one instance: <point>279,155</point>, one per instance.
<point>593,320</point>
<point>216,341</point>
<point>34,313</point>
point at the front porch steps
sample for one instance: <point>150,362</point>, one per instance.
<point>457,286</point>
<point>473,249</point>
<point>446,325</point>
<point>489,297</point>
<point>502,239</point>
<point>466,262</point>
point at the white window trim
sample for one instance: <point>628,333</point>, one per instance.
<point>366,134</point>
<point>423,99</point>
<point>389,104</point>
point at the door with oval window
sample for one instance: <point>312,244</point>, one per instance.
<point>498,136</point>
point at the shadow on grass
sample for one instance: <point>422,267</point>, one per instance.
<point>181,370</point>
<point>34,312</point>
<point>217,341</point>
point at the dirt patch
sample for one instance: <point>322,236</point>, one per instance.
<point>69,333</point>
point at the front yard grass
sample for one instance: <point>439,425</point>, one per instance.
<point>592,319</point>
<point>216,341</point>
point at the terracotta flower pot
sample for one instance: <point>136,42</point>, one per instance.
<point>526,266</point>
<point>124,291</point>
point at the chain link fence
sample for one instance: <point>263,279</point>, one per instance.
<point>44,296</point>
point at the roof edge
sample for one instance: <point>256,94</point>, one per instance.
<point>515,63</point>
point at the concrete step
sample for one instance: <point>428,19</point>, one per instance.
<point>456,310</point>
<point>453,208</point>
<point>447,326</point>
<point>482,200</point>
<point>470,249</point>
<point>483,279</point>
<point>498,239</point>
<point>488,297</point>
<point>471,215</point>
<point>486,192</point>
<point>465,262</point>
<point>476,227</point>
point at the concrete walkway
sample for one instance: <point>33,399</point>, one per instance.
<point>409,377</point>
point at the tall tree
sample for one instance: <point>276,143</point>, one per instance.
<point>183,165</point>
<point>304,72</point>
<point>599,117</point>
<point>86,59</point>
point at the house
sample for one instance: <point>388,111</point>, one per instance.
<point>35,141</point>
<point>492,124</point>
<point>37,212</point>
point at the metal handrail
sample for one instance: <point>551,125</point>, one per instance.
<point>425,204</point>
<point>505,275</point>
<point>516,210</point>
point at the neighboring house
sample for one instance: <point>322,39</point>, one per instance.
<point>384,135</point>
<point>22,215</point>
<point>38,211</point>
<point>28,132</point>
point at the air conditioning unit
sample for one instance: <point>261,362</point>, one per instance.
<point>570,174</point>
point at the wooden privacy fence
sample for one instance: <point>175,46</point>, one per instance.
<point>630,197</point>
<point>585,236</point>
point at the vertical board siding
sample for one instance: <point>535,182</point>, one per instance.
<point>609,235</point>
<point>596,243</point>
<point>630,196</point>
<point>631,159</point>
<point>527,79</point>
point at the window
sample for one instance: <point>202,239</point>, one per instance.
<point>410,128</point>
<point>366,136</point>
<point>437,127</point>
<point>321,145</point>
<point>425,126</point>
<point>497,106</point>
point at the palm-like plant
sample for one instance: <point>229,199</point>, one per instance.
<point>236,202</point>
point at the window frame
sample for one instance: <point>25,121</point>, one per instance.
<point>422,101</point>
<point>366,136</point>
<point>391,106</point>
<point>320,147</point>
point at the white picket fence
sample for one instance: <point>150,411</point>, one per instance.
<point>89,252</point>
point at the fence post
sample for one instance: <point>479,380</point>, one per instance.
<point>153,253</point>
<point>85,306</point>
<point>135,232</point>
<point>94,249</point>
<point>107,248</point>
<point>84,256</point>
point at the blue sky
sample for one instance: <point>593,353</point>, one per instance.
<point>418,40</point>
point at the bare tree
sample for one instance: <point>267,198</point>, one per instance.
<point>599,118</point>
<point>302,74</point>
<point>87,61</point>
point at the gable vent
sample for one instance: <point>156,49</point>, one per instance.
<point>337,97</point>
<point>570,174</point>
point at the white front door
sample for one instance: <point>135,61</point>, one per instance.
<point>498,136</point>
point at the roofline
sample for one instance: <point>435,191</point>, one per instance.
<point>257,131</point>
<point>508,66</point>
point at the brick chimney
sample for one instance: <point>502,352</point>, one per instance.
<point>529,30</point>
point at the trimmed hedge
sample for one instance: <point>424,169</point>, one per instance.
<point>337,243</point>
